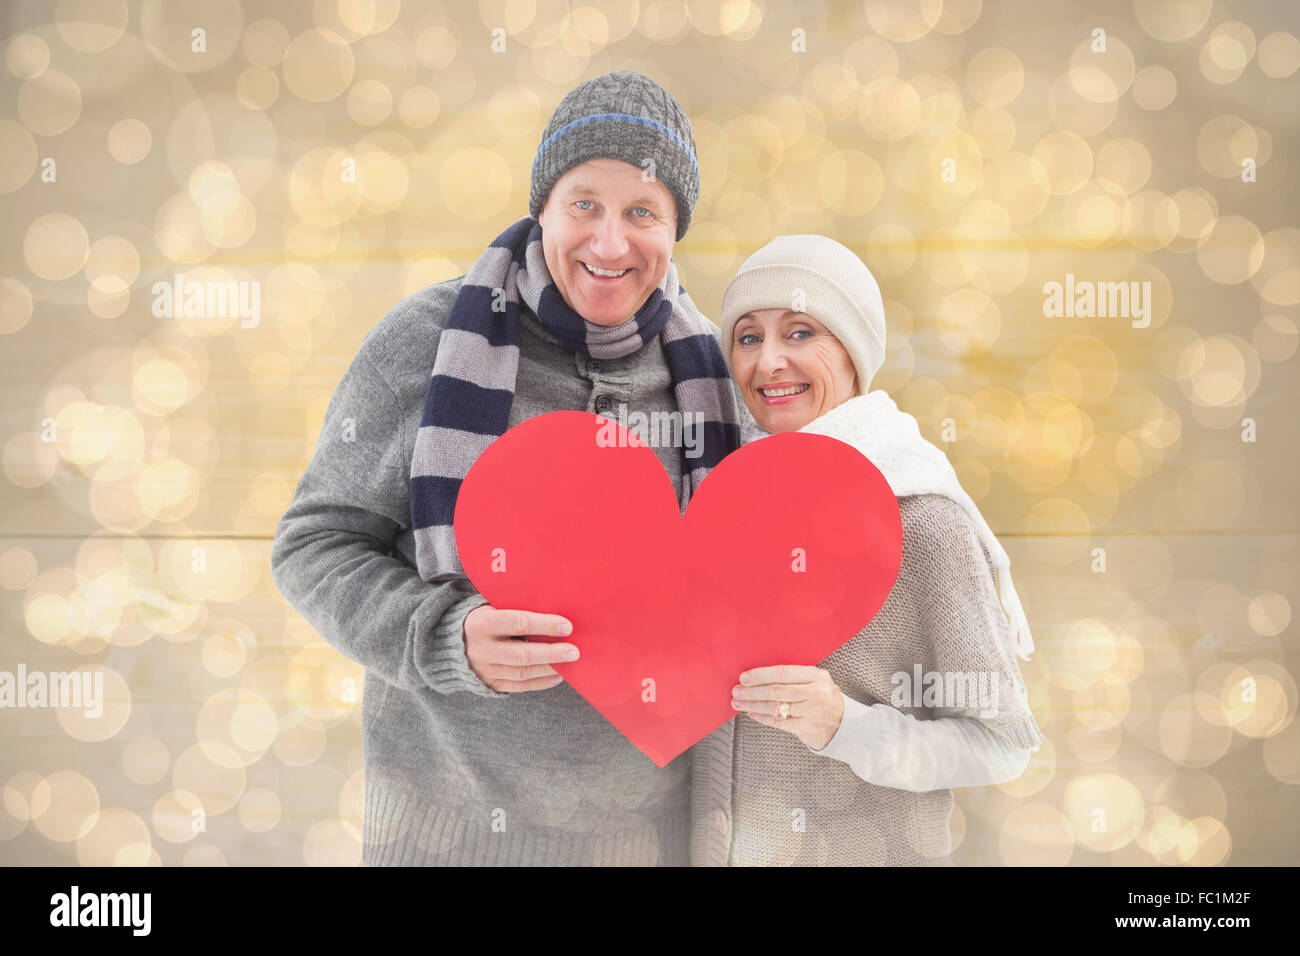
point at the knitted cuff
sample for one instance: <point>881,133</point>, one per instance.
<point>449,671</point>
<point>845,746</point>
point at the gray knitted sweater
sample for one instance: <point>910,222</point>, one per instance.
<point>456,773</point>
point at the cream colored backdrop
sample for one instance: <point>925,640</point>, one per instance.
<point>1139,470</point>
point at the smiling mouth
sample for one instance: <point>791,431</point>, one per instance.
<point>768,392</point>
<point>605,273</point>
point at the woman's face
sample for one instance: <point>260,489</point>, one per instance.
<point>789,368</point>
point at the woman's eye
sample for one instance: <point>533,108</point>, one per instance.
<point>802,332</point>
<point>747,335</point>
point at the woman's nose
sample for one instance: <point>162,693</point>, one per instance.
<point>772,357</point>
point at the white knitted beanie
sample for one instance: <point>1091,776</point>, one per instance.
<point>819,277</point>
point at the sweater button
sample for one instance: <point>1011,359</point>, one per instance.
<point>594,365</point>
<point>604,403</point>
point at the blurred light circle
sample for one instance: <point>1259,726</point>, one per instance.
<point>903,21</point>
<point>27,56</point>
<point>265,42</point>
<point>1278,277</point>
<point>1125,163</point>
<point>1197,213</point>
<point>1233,251</point>
<point>371,16</point>
<point>1154,87</point>
<point>19,148</point>
<point>1154,221</point>
<point>1225,141</point>
<point>1282,754</point>
<point>331,843</point>
<point>1187,738</point>
<point>1019,183</point>
<point>1067,160</point>
<point>129,141</point>
<point>50,103</point>
<point>1036,834</point>
<point>891,249</point>
<point>369,102</point>
<point>16,306</point>
<point>994,76</point>
<point>91,25</point>
<point>259,810</point>
<point>118,837</point>
<point>1072,112</point>
<point>475,183</point>
<point>112,264</point>
<point>109,712</point>
<point>1173,20</point>
<point>1227,51</point>
<point>1275,338</point>
<point>56,246</point>
<point>216,781</point>
<point>418,107</point>
<point>1102,77</point>
<point>1279,55</point>
<point>257,87</point>
<point>1107,798</point>
<point>72,808</point>
<point>145,760</point>
<point>873,61</point>
<point>177,815</point>
<point>318,65</point>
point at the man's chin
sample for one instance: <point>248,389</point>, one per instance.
<point>605,313</point>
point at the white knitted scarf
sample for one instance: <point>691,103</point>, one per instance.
<point>892,440</point>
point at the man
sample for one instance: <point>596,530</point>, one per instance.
<point>475,750</point>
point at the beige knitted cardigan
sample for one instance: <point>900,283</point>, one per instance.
<point>759,796</point>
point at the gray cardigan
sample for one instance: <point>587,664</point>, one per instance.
<point>456,773</point>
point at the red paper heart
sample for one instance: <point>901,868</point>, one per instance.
<point>555,518</point>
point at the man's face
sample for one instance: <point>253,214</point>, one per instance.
<point>602,214</point>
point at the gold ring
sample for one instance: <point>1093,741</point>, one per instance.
<point>783,711</point>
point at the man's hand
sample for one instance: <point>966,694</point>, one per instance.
<point>510,666</point>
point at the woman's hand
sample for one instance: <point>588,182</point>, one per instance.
<point>816,704</point>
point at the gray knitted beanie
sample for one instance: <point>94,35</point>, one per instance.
<point>624,116</point>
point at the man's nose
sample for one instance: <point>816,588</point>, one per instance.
<point>609,242</point>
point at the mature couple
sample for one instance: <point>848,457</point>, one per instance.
<point>475,750</point>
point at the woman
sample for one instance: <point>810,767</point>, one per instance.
<point>829,764</point>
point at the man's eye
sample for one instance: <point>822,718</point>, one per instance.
<point>580,202</point>
<point>640,209</point>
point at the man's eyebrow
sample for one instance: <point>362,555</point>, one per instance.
<point>587,193</point>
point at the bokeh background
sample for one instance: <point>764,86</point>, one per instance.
<point>1072,434</point>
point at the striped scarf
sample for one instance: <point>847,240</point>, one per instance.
<point>472,387</point>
